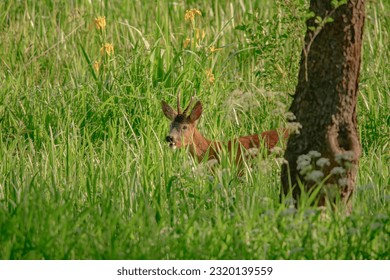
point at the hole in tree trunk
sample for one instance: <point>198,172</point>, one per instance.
<point>342,138</point>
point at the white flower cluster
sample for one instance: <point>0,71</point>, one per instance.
<point>315,176</point>
<point>311,166</point>
<point>307,164</point>
<point>338,170</point>
<point>322,162</point>
<point>280,108</point>
<point>278,151</point>
<point>302,162</point>
<point>290,116</point>
<point>251,152</point>
<point>294,127</point>
<point>341,158</point>
<point>343,182</point>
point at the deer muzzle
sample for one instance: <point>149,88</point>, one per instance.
<point>171,142</point>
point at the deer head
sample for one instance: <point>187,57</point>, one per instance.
<point>183,125</point>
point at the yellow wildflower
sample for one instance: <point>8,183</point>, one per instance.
<point>107,48</point>
<point>100,22</point>
<point>213,49</point>
<point>96,66</point>
<point>210,75</point>
<point>186,42</point>
<point>190,14</point>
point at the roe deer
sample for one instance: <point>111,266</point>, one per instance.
<point>183,132</point>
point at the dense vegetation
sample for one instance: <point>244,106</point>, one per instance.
<point>84,170</point>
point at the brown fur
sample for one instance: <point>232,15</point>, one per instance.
<point>200,146</point>
<point>184,133</point>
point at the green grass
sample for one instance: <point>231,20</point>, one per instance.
<point>84,170</point>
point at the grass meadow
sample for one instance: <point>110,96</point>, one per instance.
<point>85,172</point>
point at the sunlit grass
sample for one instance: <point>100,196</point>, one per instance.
<point>84,170</point>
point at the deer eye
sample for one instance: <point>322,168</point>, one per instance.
<point>184,127</point>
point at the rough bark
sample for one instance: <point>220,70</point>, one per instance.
<point>325,101</point>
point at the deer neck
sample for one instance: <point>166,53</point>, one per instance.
<point>200,146</point>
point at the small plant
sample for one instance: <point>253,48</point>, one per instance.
<point>101,64</point>
<point>274,42</point>
<point>197,43</point>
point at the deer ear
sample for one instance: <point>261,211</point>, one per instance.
<point>168,110</point>
<point>196,112</point>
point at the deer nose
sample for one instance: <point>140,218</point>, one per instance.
<point>169,139</point>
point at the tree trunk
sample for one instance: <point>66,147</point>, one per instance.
<point>325,105</point>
